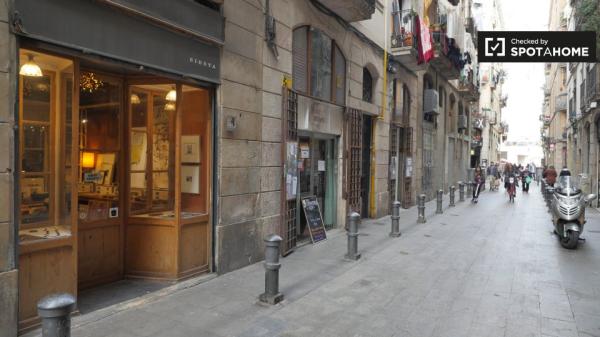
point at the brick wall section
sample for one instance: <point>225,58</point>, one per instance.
<point>8,273</point>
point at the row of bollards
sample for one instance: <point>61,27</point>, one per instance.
<point>55,310</point>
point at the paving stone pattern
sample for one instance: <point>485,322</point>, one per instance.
<point>490,269</point>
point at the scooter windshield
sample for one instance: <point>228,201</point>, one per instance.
<point>568,185</point>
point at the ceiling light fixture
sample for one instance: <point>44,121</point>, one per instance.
<point>134,99</point>
<point>170,107</point>
<point>171,96</point>
<point>30,68</point>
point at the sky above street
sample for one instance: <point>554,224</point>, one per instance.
<point>525,80</point>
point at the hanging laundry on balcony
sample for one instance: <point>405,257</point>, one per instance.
<point>452,19</point>
<point>426,5</point>
<point>425,45</point>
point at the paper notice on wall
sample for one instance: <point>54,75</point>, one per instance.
<point>294,184</point>
<point>321,165</point>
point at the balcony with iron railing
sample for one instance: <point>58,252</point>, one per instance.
<point>351,10</point>
<point>468,85</point>
<point>404,40</point>
<point>447,57</point>
<point>503,101</point>
<point>560,102</point>
<point>471,28</point>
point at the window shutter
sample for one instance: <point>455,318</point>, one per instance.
<point>299,56</point>
<point>340,76</point>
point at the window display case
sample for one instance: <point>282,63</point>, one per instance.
<point>114,179</point>
<point>46,176</point>
<point>168,186</point>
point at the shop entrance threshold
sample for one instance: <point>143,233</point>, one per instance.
<point>107,295</point>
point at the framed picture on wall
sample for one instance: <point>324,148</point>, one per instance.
<point>190,179</point>
<point>190,149</point>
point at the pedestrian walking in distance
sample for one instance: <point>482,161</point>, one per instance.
<point>478,181</point>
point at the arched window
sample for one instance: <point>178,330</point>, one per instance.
<point>319,67</point>
<point>367,95</point>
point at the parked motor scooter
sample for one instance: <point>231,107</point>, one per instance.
<point>568,210</point>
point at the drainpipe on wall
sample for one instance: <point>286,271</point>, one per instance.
<point>372,206</point>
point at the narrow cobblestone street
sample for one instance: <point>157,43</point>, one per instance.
<point>490,269</point>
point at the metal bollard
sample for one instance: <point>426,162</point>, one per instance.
<point>55,312</point>
<point>272,265</point>
<point>395,219</point>
<point>461,191</point>
<point>452,191</point>
<point>440,196</point>
<point>470,189</point>
<point>352,233</point>
<point>421,209</point>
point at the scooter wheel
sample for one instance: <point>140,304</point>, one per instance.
<point>570,242</point>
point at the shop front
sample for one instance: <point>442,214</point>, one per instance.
<point>320,126</point>
<point>115,143</point>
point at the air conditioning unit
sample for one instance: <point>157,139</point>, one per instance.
<point>430,104</point>
<point>462,122</point>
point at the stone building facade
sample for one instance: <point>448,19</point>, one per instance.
<point>555,99</point>
<point>583,111</point>
<point>252,94</point>
<point>8,266</point>
<point>316,81</point>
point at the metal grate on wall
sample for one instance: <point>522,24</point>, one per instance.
<point>289,207</point>
<point>354,158</point>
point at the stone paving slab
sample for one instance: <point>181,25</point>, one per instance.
<point>490,269</point>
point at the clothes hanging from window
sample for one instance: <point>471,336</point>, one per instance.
<point>425,47</point>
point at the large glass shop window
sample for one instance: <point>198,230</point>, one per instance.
<point>195,150</point>
<point>99,146</point>
<point>45,137</point>
<point>151,150</point>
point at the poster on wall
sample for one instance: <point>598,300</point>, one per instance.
<point>393,166</point>
<point>138,149</point>
<point>304,151</point>
<point>190,179</point>
<point>321,166</point>
<point>190,149</point>
<point>408,167</point>
<point>291,170</point>
<point>314,219</point>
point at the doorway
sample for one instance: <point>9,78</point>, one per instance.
<point>316,171</point>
